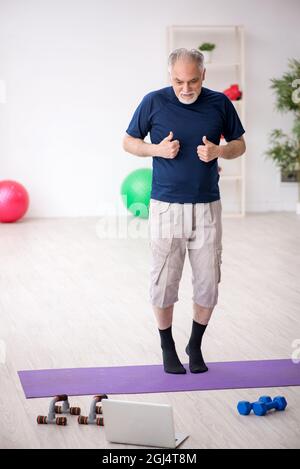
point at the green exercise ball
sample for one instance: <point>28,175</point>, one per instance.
<point>135,192</point>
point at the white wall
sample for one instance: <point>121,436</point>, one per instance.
<point>76,69</point>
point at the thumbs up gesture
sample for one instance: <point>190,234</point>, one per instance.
<point>209,151</point>
<point>168,148</point>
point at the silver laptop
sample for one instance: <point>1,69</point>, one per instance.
<point>140,423</point>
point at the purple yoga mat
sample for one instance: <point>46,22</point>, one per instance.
<point>152,379</point>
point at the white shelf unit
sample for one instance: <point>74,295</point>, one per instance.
<point>226,68</point>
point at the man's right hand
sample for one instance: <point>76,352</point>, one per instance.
<point>168,148</point>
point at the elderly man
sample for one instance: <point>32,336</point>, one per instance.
<point>185,122</point>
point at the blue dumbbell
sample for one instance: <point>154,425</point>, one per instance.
<point>261,408</point>
<point>245,407</point>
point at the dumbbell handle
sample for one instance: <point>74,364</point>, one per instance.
<point>271,405</point>
<point>100,397</point>
<point>61,397</point>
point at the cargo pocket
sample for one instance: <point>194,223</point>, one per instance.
<point>160,222</point>
<point>157,206</point>
<point>161,249</point>
<point>161,236</point>
<point>218,263</point>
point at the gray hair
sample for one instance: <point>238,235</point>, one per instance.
<point>184,54</point>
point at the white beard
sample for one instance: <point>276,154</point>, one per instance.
<point>190,100</point>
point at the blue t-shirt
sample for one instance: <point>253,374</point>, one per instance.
<point>185,178</point>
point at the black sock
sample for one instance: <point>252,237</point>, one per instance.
<point>170,358</point>
<point>193,349</point>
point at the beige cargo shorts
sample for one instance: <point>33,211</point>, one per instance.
<point>175,228</point>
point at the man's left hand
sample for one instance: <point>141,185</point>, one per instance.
<point>209,151</point>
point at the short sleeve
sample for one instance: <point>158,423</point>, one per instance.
<point>233,128</point>
<point>140,123</point>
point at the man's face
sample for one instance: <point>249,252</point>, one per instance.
<point>186,79</point>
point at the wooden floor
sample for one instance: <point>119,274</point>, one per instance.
<point>71,299</point>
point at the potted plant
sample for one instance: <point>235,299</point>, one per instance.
<point>206,48</point>
<point>285,149</point>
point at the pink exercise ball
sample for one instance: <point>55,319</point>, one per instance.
<point>14,201</point>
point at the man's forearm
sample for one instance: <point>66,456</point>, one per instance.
<point>138,147</point>
<point>232,150</point>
